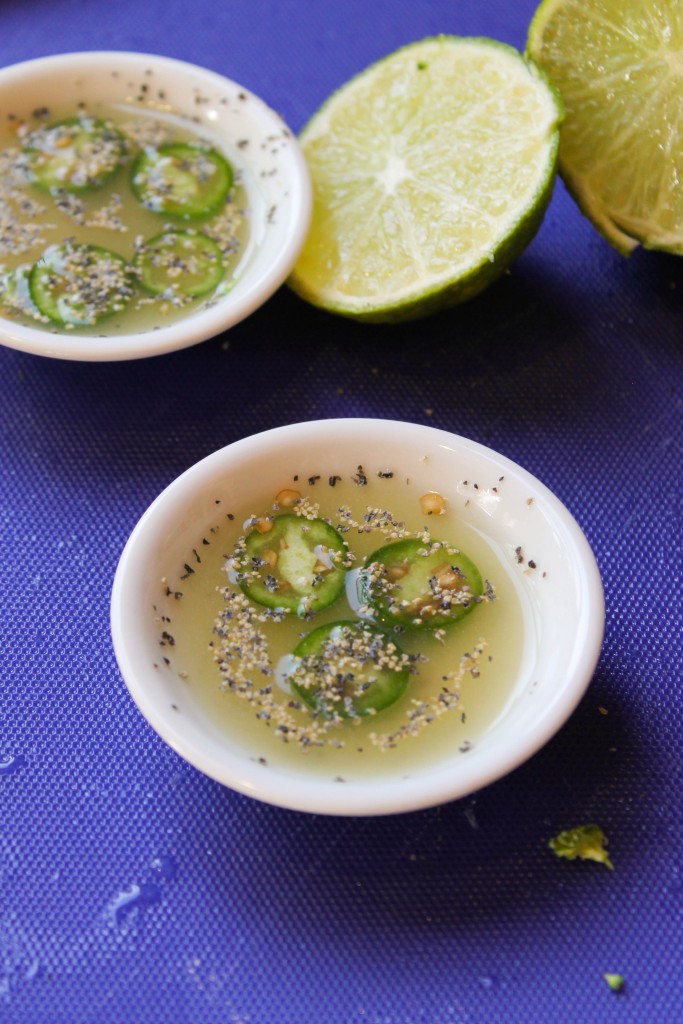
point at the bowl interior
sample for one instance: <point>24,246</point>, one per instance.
<point>252,136</point>
<point>536,540</point>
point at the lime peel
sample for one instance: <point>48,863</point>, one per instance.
<point>432,170</point>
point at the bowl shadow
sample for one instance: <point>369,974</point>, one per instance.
<point>457,867</point>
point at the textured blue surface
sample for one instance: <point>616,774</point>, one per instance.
<point>134,889</point>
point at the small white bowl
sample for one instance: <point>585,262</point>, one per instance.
<point>252,136</point>
<point>556,579</point>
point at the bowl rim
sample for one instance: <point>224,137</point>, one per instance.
<point>398,795</point>
<point>203,324</point>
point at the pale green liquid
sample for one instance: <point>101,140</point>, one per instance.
<point>191,618</point>
<point>144,312</point>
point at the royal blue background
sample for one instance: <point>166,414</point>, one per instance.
<point>132,888</point>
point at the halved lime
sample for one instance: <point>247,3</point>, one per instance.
<point>618,65</point>
<point>431,171</point>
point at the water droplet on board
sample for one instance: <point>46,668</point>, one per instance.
<point>35,970</point>
<point>492,981</point>
<point>470,815</point>
<point>164,867</point>
<point>141,896</point>
<point>135,899</point>
<point>11,763</point>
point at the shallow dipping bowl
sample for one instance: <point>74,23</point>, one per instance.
<point>255,140</point>
<point>561,598</point>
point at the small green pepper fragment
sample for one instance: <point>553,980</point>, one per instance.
<point>615,981</point>
<point>587,842</point>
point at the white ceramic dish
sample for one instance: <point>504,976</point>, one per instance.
<point>272,169</point>
<point>562,601</point>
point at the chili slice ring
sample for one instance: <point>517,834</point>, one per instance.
<point>78,154</point>
<point>293,563</point>
<point>180,262</point>
<point>181,180</point>
<point>348,670</point>
<point>79,285</point>
<point>420,584</point>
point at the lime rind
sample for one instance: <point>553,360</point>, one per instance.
<point>618,68</point>
<point>425,190</point>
